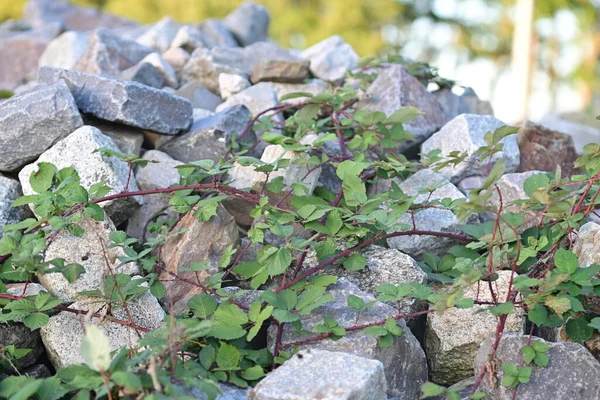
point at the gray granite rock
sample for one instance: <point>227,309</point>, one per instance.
<point>572,373</point>
<point>257,98</point>
<point>144,73</point>
<point>453,338</point>
<point>467,103</point>
<point>129,140</point>
<point>10,190</point>
<point>160,35</point>
<point>129,103</point>
<point>40,13</point>
<point>280,71</point>
<point>395,88</point>
<point>587,244</point>
<point>108,54</point>
<point>24,289</point>
<point>199,95</point>
<point>216,34</point>
<point>465,134</point>
<point>331,58</point>
<point>77,151</point>
<point>404,361</point>
<point>168,73</point>
<point>429,219</point>
<point>64,333</point>
<point>208,138</point>
<point>161,174</point>
<point>177,58</point>
<point>321,374</point>
<point>249,23</point>
<point>313,86</point>
<point>65,50</point>
<point>33,121</point>
<point>21,337</point>
<point>189,38</point>
<point>231,84</point>
<point>92,252</point>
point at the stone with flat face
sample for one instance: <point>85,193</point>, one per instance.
<point>331,58</point>
<point>249,23</point>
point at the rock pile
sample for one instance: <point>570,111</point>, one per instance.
<point>176,94</point>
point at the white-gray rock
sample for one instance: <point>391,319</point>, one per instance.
<point>144,73</point>
<point>176,57</point>
<point>331,58</point>
<point>65,50</point>
<point>321,374</point>
<point>465,134</point>
<point>572,373</point>
<point>249,23</point>
<point>129,103</point>
<point>257,98</point>
<point>231,84</point>
<point>189,38</point>
<point>587,244</point>
<point>164,68</point>
<point>313,86</point>
<point>216,34</point>
<point>76,151</point>
<point>10,190</point>
<point>452,338</point>
<point>160,35</point>
<point>428,219</point>
<point>33,121</point>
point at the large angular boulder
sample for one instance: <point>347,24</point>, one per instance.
<point>257,98</point>
<point>129,103</point>
<point>404,361</point>
<point>230,84</point>
<point>395,88</point>
<point>428,219</point>
<point>465,133</point>
<point>453,337</point>
<point>160,35</point>
<point>65,50</point>
<point>320,374</point>
<point>144,73</point>
<point>249,23</point>
<point>587,244</point>
<point>572,372</point>
<point>209,137</point>
<point>92,252</point>
<point>10,190</point>
<point>216,34</point>
<point>77,151</point>
<point>331,58</point>
<point>33,121</point>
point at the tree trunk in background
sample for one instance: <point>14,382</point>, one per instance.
<point>522,57</point>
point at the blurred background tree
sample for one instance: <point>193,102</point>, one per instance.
<point>469,40</point>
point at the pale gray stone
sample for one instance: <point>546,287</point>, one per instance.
<point>177,58</point>
<point>77,151</point>
<point>108,54</point>
<point>428,219</point>
<point>231,84</point>
<point>208,138</point>
<point>322,374</point>
<point>395,88</point>
<point>470,183</point>
<point>331,58</point>
<point>14,25</point>
<point>189,38</point>
<point>65,50</point>
<point>216,34</point>
<point>160,174</point>
<point>313,86</point>
<point>144,73</point>
<point>168,73</point>
<point>33,121</point>
<point>10,190</point>
<point>129,103</point>
<point>249,23</point>
<point>404,362</point>
<point>587,244</point>
<point>64,333</point>
<point>572,373</point>
<point>581,134</point>
<point>465,134</point>
<point>160,35</point>
<point>453,337</point>
<point>257,98</point>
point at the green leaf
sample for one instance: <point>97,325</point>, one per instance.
<point>375,331</point>
<point>127,379</point>
<point>538,315</point>
<point>430,389</point>
<point>71,272</point>
<point>202,305</point>
<point>534,182</point>
<point>278,262</point>
<point>528,354</point>
<point>355,262</point>
<point>230,314</point>
<point>579,330</point>
<point>228,357</point>
<point>333,222</point>
<point>224,331</point>
<point>307,114</point>
<point>94,211</point>
<point>36,320</point>
<point>95,348</point>
<point>501,309</point>
<point>285,315</point>
<point>566,262</point>
<point>41,180</point>
<point>295,95</point>
<point>403,115</point>
<point>253,373</point>
<point>595,323</point>
<point>207,356</point>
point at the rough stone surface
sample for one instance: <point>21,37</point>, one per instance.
<point>216,34</point>
<point>571,374</point>
<point>313,86</point>
<point>65,50</point>
<point>91,251</point>
<point>465,134</point>
<point>467,103</point>
<point>321,374</point>
<point>257,98</point>
<point>160,35</point>
<point>231,84</point>
<point>22,337</point>
<point>189,38</point>
<point>208,137</point>
<point>40,13</point>
<point>280,71</point>
<point>249,23</point>
<point>164,68</point>
<point>33,121</point>
<point>452,338</point>
<point>199,95</point>
<point>144,73</point>
<point>470,183</point>
<point>404,362</point>
<point>434,219</point>
<point>203,240</point>
<point>581,134</point>
<point>395,88</point>
<point>128,139</point>
<point>10,190</point>
<point>177,58</point>
<point>161,174</point>
<point>543,149</point>
<point>129,103</point>
<point>76,151</point>
<point>108,54</point>
<point>64,333</point>
<point>587,245</point>
<point>331,58</point>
